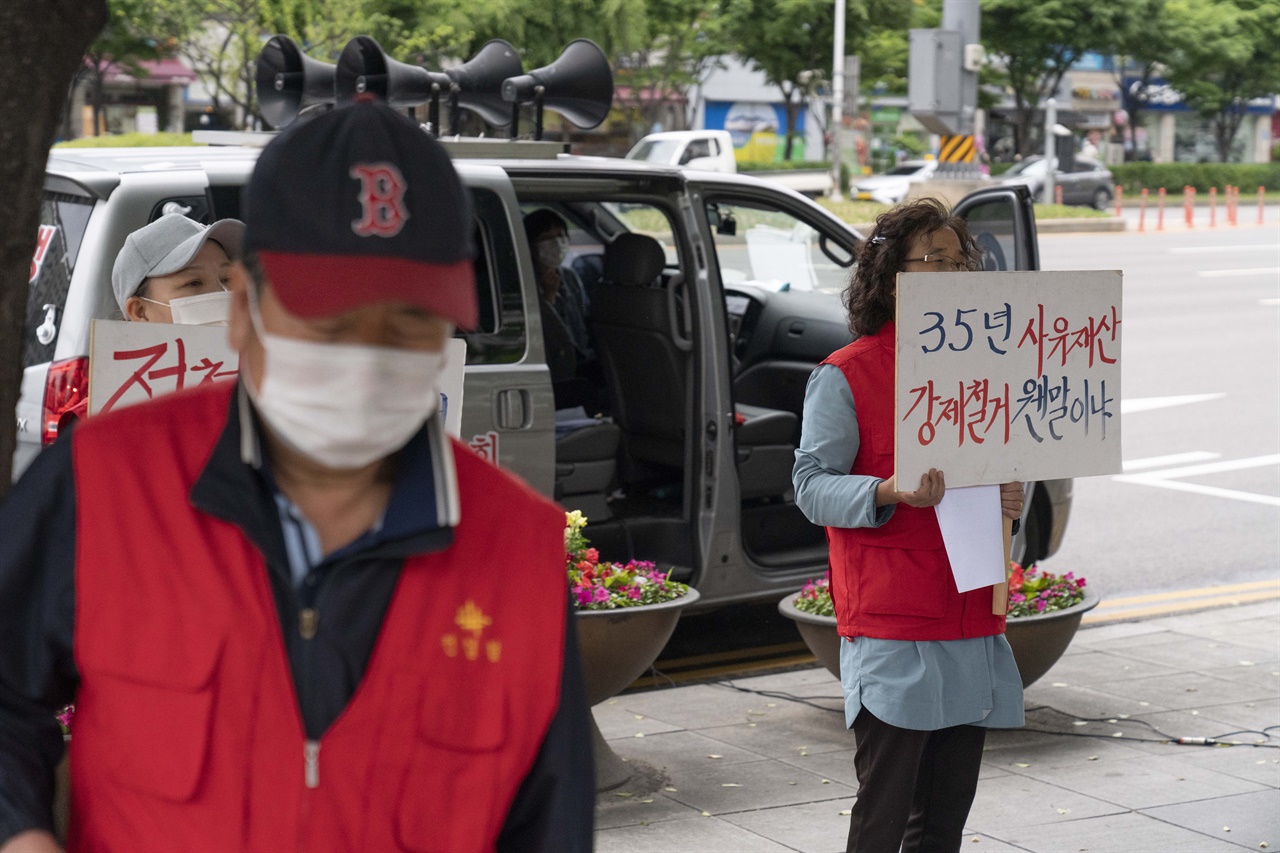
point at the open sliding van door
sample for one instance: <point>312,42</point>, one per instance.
<point>1003,222</point>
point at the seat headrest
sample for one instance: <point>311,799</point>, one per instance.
<point>634,260</point>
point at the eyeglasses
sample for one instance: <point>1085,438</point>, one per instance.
<point>943,263</point>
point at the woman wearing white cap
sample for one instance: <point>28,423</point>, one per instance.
<point>175,271</point>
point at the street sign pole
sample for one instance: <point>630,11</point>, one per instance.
<point>1050,119</point>
<point>837,101</point>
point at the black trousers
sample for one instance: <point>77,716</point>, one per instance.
<point>914,788</point>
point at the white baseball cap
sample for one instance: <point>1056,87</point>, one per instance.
<point>166,246</point>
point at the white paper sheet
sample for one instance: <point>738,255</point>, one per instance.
<point>974,535</point>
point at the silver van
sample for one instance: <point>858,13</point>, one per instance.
<point>712,298</point>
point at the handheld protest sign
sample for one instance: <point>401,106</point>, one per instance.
<point>1008,376</point>
<point>451,382</point>
<point>135,362</point>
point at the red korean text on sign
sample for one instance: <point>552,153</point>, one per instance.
<point>1062,340</point>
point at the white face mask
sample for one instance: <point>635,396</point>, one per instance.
<point>207,309</point>
<point>344,405</point>
<point>551,253</point>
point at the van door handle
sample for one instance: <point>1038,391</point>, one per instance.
<point>512,409</point>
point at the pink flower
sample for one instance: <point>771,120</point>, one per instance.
<point>1040,605</point>
<point>633,593</point>
<point>585,595</point>
<point>602,594</point>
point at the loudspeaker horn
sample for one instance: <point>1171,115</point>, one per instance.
<point>477,85</point>
<point>288,81</point>
<point>363,68</point>
<point>578,85</point>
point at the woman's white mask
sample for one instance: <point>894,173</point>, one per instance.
<point>207,309</point>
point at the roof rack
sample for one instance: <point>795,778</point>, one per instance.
<point>458,147</point>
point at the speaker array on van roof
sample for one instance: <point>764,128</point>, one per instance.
<point>492,84</point>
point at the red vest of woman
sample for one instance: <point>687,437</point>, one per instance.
<point>894,581</point>
<point>188,734</point>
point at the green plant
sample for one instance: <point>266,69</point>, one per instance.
<point>784,166</point>
<point>596,585</point>
<point>1032,591</point>
<point>1134,177</point>
<point>128,140</point>
<point>815,597</point>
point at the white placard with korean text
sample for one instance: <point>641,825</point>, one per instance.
<point>135,362</point>
<point>1008,376</point>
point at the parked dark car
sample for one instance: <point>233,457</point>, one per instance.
<point>1089,182</point>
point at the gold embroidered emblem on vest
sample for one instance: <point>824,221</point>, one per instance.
<point>472,620</point>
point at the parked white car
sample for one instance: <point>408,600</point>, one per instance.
<point>705,150</point>
<point>891,187</point>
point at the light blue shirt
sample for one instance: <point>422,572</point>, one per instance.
<point>925,684</point>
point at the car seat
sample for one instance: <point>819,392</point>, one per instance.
<point>643,336</point>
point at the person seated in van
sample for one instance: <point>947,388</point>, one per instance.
<point>557,282</point>
<point>175,271</point>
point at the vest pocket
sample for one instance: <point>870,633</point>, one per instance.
<point>904,581</point>
<point>148,726</point>
<point>456,768</point>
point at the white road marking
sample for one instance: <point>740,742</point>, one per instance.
<point>1173,459</point>
<point>1165,479</point>
<point>1239,273</point>
<point>1146,404</point>
<point>1269,301</point>
<point>1204,250</point>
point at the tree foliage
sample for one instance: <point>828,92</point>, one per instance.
<point>1039,40</point>
<point>785,38</point>
<point>682,43</point>
<point>1222,54</point>
<point>131,36</point>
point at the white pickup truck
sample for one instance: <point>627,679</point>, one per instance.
<point>712,151</point>
<point>704,150</point>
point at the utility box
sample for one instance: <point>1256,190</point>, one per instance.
<point>935,92</point>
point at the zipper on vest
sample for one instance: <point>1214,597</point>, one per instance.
<point>311,763</point>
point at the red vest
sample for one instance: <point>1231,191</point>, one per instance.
<point>187,733</point>
<point>894,581</point>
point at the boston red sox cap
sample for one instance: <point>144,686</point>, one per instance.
<point>359,206</point>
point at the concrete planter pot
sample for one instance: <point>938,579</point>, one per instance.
<point>818,633</point>
<point>1037,641</point>
<point>616,647</point>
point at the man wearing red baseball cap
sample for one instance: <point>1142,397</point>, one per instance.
<point>291,612</point>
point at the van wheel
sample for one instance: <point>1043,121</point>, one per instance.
<point>1101,199</point>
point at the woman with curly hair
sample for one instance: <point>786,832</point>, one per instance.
<point>925,669</point>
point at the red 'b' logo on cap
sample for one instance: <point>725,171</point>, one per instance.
<point>381,198</point>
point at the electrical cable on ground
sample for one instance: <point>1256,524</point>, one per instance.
<point>1165,737</point>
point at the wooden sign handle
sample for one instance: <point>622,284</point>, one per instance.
<point>1000,592</point>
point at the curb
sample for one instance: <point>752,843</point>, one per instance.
<point>1082,225</point>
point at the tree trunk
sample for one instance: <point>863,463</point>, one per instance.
<point>1225,126</point>
<point>43,42</point>
<point>790,111</point>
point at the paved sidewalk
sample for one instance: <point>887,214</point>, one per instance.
<point>726,770</point>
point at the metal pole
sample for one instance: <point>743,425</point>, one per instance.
<point>837,101</point>
<point>1050,119</point>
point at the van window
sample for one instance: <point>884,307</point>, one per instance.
<point>697,148</point>
<point>63,220</point>
<point>773,249</point>
<point>499,336</point>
